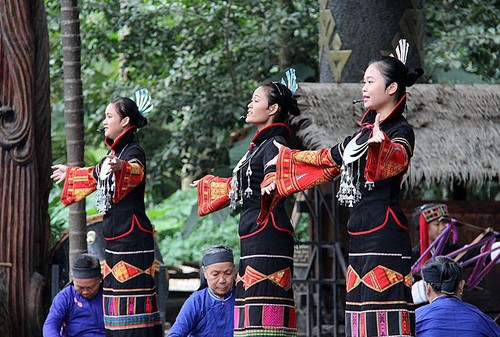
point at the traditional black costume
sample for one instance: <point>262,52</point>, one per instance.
<point>264,296</point>
<point>129,300</point>
<point>378,280</point>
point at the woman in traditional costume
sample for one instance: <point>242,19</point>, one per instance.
<point>372,164</point>
<point>129,300</point>
<point>264,297</point>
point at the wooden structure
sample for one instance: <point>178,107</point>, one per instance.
<point>25,157</point>
<point>457,128</point>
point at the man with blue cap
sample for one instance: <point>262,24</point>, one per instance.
<point>76,310</point>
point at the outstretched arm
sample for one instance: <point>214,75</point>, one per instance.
<point>78,182</point>
<point>128,175</point>
<point>300,170</point>
<point>213,193</point>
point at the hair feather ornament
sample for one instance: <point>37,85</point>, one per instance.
<point>291,80</point>
<point>402,50</point>
<point>143,101</point>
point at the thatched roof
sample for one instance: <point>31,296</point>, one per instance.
<point>457,127</point>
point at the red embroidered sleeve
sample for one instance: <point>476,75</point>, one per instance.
<point>268,179</point>
<point>213,194</point>
<point>126,179</point>
<point>386,159</point>
<point>268,200</point>
<point>299,170</point>
<point>79,183</point>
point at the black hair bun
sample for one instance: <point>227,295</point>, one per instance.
<point>412,75</point>
<point>141,121</point>
<point>294,107</point>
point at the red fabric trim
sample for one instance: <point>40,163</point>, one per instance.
<point>142,228</point>
<point>268,201</point>
<point>134,221</point>
<point>385,160</point>
<point>300,170</point>
<point>381,278</point>
<point>115,141</point>
<point>396,219</point>
<point>292,320</point>
<point>257,231</point>
<point>269,127</point>
<point>127,179</point>
<point>268,179</point>
<point>389,211</point>
<point>394,109</point>
<point>213,194</point>
<point>373,229</point>
<point>79,183</point>
<point>279,228</point>
<point>124,234</point>
<point>352,279</point>
<point>405,323</point>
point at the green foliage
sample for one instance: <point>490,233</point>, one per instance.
<point>182,235</point>
<point>200,59</point>
<point>463,35</point>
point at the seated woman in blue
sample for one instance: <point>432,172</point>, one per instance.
<point>209,311</point>
<point>447,315</point>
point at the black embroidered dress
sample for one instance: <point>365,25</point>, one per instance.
<point>129,300</point>
<point>264,296</point>
<point>378,280</point>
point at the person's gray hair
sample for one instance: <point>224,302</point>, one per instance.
<point>443,274</point>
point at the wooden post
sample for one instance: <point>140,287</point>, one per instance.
<point>25,156</point>
<point>4,299</point>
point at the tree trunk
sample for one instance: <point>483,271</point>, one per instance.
<point>285,35</point>
<point>123,57</point>
<point>351,33</point>
<point>25,157</point>
<point>73,117</point>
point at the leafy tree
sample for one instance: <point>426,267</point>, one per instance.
<point>463,35</point>
<point>200,59</point>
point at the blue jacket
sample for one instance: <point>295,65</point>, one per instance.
<point>74,316</point>
<point>205,315</point>
<point>449,316</point>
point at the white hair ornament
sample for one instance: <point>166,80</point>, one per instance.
<point>402,51</point>
<point>143,101</point>
<point>291,80</point>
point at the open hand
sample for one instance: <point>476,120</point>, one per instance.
<point>59,173</point>
<point>115,163</point>
<point>268,189</point>
<point>377,135</point>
